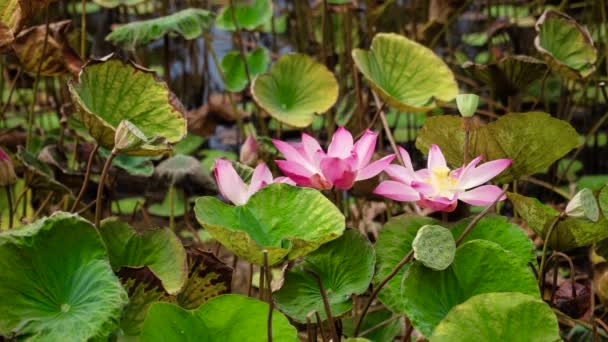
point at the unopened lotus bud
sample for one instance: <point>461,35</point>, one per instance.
<point>467,104</point>
<point>128,137</point>
<point>583,204</point>
<point>249,151</point>
<point>7,171</point>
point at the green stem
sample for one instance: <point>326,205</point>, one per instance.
<point>330,320</point>
<point>87,176</point>
<point>541,268</point>
<point>270,301</point>
<point>102,180</point>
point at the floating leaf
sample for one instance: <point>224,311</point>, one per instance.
<point>108,91</point>
<point>506,316</point>
<point>434,247</point>
<point>295,89</point>
<point>233,317</point>
<point>56,59</point>
<point>405,74</point>
<point>57,283</point>
<point>570,232</point>
<point>134,165</point>
<point>159,250</point>
<point>341,272</point>
<point>188,23</point>
<point>373,318</point>
<point>428,295</point>
<point>395,241</point>
<point>234,68</point>
<point>526,138</point>
<point>163,209</point>
<point>287,221</point>
<point>189,144</point>
<point>510,75</point>
<point>127,205</point>
<point>566,45</point>
<point>248,14</point>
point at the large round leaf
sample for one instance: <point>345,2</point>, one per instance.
<point>229,318</point>
<point>526,138</point>
<point>405,74</point>
<point>56,282</point>
<point>188,23</point>
<point>570,232</point>
<point>159,250</point>
<point>295,89</point>
<point>108,91</point>
<point>248,14</point>
<point>234,68</point>
<point>567,46</point>
<point>341,272</point>
<point>507,316</point>
<point>480,266</point>
<point>287,221</point>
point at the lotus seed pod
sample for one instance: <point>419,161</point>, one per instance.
<point>467,104</point>
<point>128,137</point>
<point>434,247</point>
<point>7,171</point>
<point>249,151</point>
<point>583,204</point>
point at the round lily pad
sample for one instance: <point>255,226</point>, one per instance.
<point>188,23</point>
<point>232,317</point>
<point>341,272</point>
<point>566,45</point>
<point>434,247</point>
<point>405,74</point>
<point>57,283</point>
<point>506,316</point>
<point>287,221</point>
<point>234,68</point>
<point>108,91</point>
<point>248,14</point>
<point>295,89</point>
<point>159,250</point>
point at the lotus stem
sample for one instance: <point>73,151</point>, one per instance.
<point>10,95</point>
<point>311,334</point>
<point>387,129</point>
<point>83,33</point>
<point>320,324</point>
<point>250,280</point>
<point>30,114</point>
<point>172,207</point>
<point>261,283</point>
<point>541,268</point>
<point>466,126</point>
<point>9,197</point>
<point>87,175</point>
<point>379,325</point>
<point>102,180</point>
<point>330,320</point>
<point>43,205</point>
<point>270,301</point>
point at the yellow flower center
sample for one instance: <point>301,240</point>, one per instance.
<point>441,181</point>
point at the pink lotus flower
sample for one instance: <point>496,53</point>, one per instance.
<point>249,151</point>
<point>232,186</point>
<point>344,163</point>
<point>439,188</point>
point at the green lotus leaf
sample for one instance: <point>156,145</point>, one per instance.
<point>116,3</point>
<point>602,198</point>
<point>566,45</point>
<point>248,14</point>
<point>434,247</point>
<point>57,283</point>
<point>570,232</point>
<point>159,250</point>
<point>234,317</point>
<point>405,74</point>
<point>373,318</point>
<point>510,75</point>
<point>503,316</point>
<point>396,237</point>
<point>526,138</point>
<point>141,297</point>
<point>188,23</point>
<point>127,205</point>
<point>428,295</point>
<point>163,209</point>
<point>134,165</point>
<point>189,144</point>
<point>295,89</point>
<point>108,91</point>
<point>234,68</point>
<point>39,175</point>
<point>285,220</point>
<point>341,272</point>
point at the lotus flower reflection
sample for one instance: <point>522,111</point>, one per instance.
<point>344,163</point>
<point>438,187</point>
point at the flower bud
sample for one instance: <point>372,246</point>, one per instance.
<point>249,151</point>
<point>583,204</point>
<point>467,104</point>
<point>7,171</point>
<point>128,137</point>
